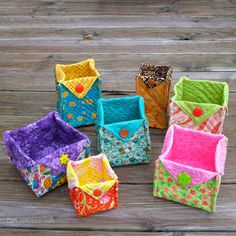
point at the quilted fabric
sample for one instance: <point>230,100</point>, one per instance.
<point>78,107</point>
<point>40,151</point>
<point>201,196</point>
<point>209,96</point>
<point>42,179</point>
<point>153,84</point>
<point>115,115</point>
<point>93,185</point>
<point>214,124</point>
<point>199,159</point>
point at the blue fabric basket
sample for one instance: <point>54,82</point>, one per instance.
<point>122,130</point>
<point>78,89</point>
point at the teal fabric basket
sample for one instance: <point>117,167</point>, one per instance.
<point>122,130</point>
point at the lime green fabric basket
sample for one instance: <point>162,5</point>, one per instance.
<point>199,103</point>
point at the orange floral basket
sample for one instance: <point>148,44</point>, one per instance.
<point>93,185</point>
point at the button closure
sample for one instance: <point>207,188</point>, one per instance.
<point>151,82</point>
<point>124,133</point>
<point>97,192</point>
<point>197,112</point>
<point>79,88</point>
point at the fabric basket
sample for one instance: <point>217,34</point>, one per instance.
<point>190,167</point>
<point>122,130</point>
<point>199,104</point>
<point>153,84</point>
<point>41,150</point>
<point>93,185</point>
<point>78,89</point>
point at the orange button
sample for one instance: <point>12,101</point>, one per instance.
<point>151,82</point>
<point>97,192</point>
<point>124,133</point>
<point>197,112</point>
<point>79,88</point>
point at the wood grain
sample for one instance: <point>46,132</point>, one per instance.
<point>139,174</point>
<point>114,46</point>
<point>43,80</point>
<point>137,211</point>
<point>164,8</point>
<point>121,62</point>
<point>113,21</point>
<point>26,232</point>
<point>120,33</point>
<point>197,38</point>
<point>39,103</point>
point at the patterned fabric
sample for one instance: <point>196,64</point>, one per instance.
<point>44,142</point>
<point>78,106</point>
<point>201,196</point>
<point>153,75</point>
<point>43,179</point>
<point>201,155</point>
<point>213,124</point>
<point>153,84</point>
<point>122,130</point>
<point>93,185</point>
<point>190,167</point>
<point>205,110</point>
<point>79,112</point>
<point>135,151</point>
<point>86,205</point>
<point>42,149</point>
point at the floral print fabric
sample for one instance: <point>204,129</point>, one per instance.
<point>86,205</point>
<point>42,179</point>
<point>79,111</point>
<point>135,151</point>
<point>201,196</point>
<point>78,89</point>
<point>93,185</point>
<point>41,150</point>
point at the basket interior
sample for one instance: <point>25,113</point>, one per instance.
<point>91,171</point>
<point>79,70</point>
<point>193,149</point>
<point>202,92</point>
<point>154,71</point>
<point>120,110</point>
<point>44,137</point>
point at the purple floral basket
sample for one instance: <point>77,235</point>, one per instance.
<point>41,150</point>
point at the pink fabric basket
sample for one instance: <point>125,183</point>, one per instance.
<point>190,160</point>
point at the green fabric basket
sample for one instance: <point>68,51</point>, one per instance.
<point>209,96</point>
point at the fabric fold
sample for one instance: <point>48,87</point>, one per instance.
<point>130,126</point>
<point>86,82</point>
<point>201,155</point>
<point>208,97</point>
<point>153,84</point>
<point>90,175</point>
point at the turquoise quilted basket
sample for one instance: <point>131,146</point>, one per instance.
<point>122,130</point>
<point>78,89</point>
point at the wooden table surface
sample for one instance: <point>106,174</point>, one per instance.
<point>198,38</point>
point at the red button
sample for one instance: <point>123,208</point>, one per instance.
<point>79,88</point>
<point>124,133</point>
<point>97,192</point>
<point>197,112</point>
